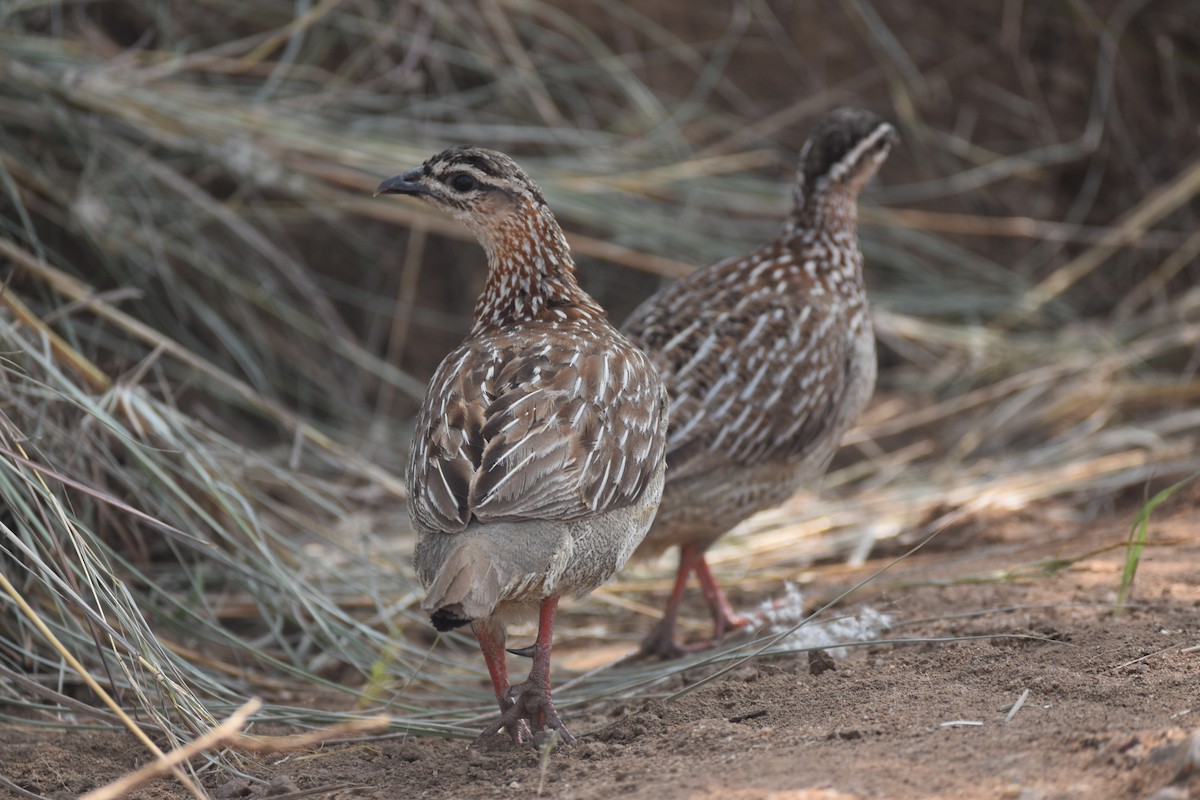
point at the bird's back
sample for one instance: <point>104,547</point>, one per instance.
<point>537,463</point>
<point>767,358</point>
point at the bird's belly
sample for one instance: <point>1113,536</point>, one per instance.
<point>536,559</point>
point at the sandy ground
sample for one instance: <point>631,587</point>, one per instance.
<point>1111,705</point>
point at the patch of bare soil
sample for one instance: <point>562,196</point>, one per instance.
<point>1109,707</point>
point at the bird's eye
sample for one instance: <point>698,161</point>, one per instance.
<point>462,182</point>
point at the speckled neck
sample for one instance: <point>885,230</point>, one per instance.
<point>531,275</point>
<point>831,211</point>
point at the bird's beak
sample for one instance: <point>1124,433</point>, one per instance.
<point>405,183</point>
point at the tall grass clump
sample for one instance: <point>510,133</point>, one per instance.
<point>212,339</point>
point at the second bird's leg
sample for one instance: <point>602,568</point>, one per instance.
<point>661,640</point>
<point>491,641</point>
<point>531,701</point>
<point>724,617</point>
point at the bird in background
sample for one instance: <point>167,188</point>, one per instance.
<point>537,460</point>
<point>768,359</point>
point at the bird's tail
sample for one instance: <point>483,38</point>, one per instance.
<point>465,589</point>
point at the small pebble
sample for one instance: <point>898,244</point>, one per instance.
<point>281,784</point>
<point>238,787</point>
<point>820,661</point>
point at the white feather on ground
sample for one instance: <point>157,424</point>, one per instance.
<point>781,615</point>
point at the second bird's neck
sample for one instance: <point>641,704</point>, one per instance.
<point>832,213</point>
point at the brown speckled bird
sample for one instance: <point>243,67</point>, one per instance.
<point>768,359</point>
<point>537,461</point>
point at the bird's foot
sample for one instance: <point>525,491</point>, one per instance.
<point>727,620</point>
<point>667,649</point>
<point>530,711</point>
<point>517,730</point>
<point>661,643</point>
<point>750,623</point>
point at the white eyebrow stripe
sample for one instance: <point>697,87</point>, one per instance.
<point>840,168</point>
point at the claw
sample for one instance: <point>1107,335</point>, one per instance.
<point>526,709</point>
<point>518,731</point>
<point>530,711</point>
<point>525,652</point>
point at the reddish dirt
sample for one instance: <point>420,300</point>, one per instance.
<point>1112,708</point>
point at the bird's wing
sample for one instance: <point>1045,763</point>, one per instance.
<point>754,374</point>
<point>525,427</point>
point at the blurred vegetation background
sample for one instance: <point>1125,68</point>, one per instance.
<point>213,339</point>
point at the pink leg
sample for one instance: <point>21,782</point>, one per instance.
<point>493,655</point>
<point>722,612</point>
<point>530,702</point>
<point>661,640</point>
<point>491,639</point>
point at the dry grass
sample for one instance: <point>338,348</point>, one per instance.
<point>210,339</point>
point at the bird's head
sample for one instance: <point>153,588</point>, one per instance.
<point>484,189</point>
<point>529,262</point>
<point>846,148</point>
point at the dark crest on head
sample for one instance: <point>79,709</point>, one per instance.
<point>841,141</point>
<point>489,168</point>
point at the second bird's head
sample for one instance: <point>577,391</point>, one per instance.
<point>846,148</point>
<point>484,189</point>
